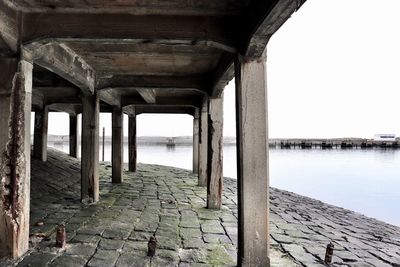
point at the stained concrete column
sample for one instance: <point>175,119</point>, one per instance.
<point>196,125</point>
<point>203,141</point>
<point>132,143</point>
<point>40,134</point>
<point>73,135</point>
<point>252,160</point>
<point>15,146</point>
<point>90,149</point>
<point>215,149</point>
<point>117,145</point>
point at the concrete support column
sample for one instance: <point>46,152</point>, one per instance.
<point>252,160</point>
<point>90,149</point>
<point>132,143</point>
<point>15,147</point>
<point>117,145</point>
<point>40,134</point>
<point>215,149</point>
<point>196,125</point>
<point>203,141</point>
<point>73,135</point>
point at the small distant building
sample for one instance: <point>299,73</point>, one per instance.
<point>385,137</point>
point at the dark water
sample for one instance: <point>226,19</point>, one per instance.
<point>366,181</point>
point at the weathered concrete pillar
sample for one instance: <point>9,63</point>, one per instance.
<point>203,141</point>
<point>15,119</point>
<point>196,125</point>
<point>132,143</point>
<point>40,134</point>
<point>117,145</point>
<point>73,135</point>
<point>252,160</point>
<point>215,149</point>
<point>90,149</point>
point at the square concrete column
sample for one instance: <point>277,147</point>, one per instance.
<point>203,141</point>
<point>73,135</point>
<point>90,149</point>
<point>196,125</point>
<point>40,134</point>
<point>117,145</point>
<point>132,143</point>
<point>252,160</point>
<point>215,149</point>
<point>15,147</point>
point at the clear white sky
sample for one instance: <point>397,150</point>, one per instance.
<point>333,71</point>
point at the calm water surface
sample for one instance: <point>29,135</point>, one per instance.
<point>366,181</point>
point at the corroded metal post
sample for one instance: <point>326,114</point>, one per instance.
<point>90,149</point>
<point>40,134</point>
<point>215,149</point>
<point>15,118</point>
<point>196,125</point>
<point>252,159</point>
<point>132,142</point>
<point>117,145</point>
<point>73,135</point>
<point>203,141</point>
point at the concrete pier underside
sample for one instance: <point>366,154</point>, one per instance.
<point>167,201</point>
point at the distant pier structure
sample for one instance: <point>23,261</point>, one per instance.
<point>342,143</point>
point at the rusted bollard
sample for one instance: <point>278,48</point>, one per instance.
<point>152,245</point>
<point>329,253</point>
<point>61,236</point>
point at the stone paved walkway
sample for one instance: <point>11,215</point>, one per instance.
<point>167,202</point>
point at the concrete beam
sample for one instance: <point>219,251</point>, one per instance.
<point>132,81</point>
<point>196,126</point>
<point>164,109</point>
<point>266,20</point>
<point>15,147</point>
<point>117,147</point>
<point>9,29</point>
<point>164,101</point>
<point>132,148</point>
<point>90,149</point>
<point>223,74</point>
<point>73,135</point>
<point>253,168</point>
<point>63,61</point>
<point>149,95</point>
<point>203,143</point>
<point>218,29</point>
<point>40,134</point>
<point>215,150</point>
<point>110,96</point>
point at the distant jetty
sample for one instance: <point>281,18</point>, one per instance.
<point>302,143</point>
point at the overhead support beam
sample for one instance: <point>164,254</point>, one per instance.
<point>265,21</point>
<point>63,61</point>
<point>38,101</point>
<point>164,109</point>
<point>67,108</point>
<point>203,143</point>
<point>148,81</point>
<point>223,74</point>
<point>110,96</point>
<point>9,29</point>
<point>15,147</point>
<point>132,148</point>
<point>252,162</point>
<point>90,149</point>
<point>117,145</point>
<point>164,101</point>
<point>73,135</point>
<point>218,29</point>
<point>215,150</point>
<point>196,125</point>
<point>149,95</point>
<point>40,134</point>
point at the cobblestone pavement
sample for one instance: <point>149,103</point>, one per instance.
<point>166,202</point>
